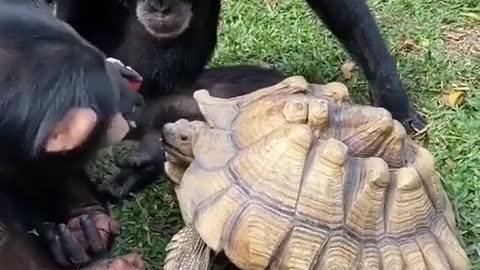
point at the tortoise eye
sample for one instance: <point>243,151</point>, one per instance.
<point>183,137</point>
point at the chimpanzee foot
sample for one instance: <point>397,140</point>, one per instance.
<point>82,239</point>
<point>127,262</point>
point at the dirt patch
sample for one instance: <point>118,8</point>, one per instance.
<point>462,42</point>
<point>410,46</point>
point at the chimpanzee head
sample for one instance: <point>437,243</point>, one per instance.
<point>55,109</point>
<point>164,19</point>
<point>59,95</point>
<point>82,120</point>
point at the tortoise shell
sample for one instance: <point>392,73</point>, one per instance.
<point>296,176</point>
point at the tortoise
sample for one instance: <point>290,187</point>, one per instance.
<point>297,176</point>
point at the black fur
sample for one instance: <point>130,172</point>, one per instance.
<point>353,24</point>
<point>168,66</point>
<point>147,161</point>
<point>165,64</point>
<point>46,68</point>
<point>170,69</point>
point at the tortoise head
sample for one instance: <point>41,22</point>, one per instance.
<point>178,140</point>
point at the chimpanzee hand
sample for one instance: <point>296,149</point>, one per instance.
<point>149,153</point>
<point>415,124</point>
<point>82,239</point>
<point>142,159</point>
<point>142,167</point>
<point>389,93</point>
<point>137,171</point>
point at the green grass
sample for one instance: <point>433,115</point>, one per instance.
<point>286,34</point>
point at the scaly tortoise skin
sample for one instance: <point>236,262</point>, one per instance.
<point>295,176</point>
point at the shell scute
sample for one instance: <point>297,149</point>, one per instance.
<point>216,214</point>
<point>296,109</point>
<point>409,207</point>
<point>213,148</point>
<point>271,168</point>
<point>334,92</point>
<point>299,250</point>
<point>318,116</point>
<point>412,255</point>
<point>265,116</point>
<point>431,252</point>
<point>320,199</point>
<point>369,259</point>
<point>256,235</point>
<point>190,194</point>
<point>390,254</point>
<point>340,252</point>
<point>366,204</point>
<point>449,245</point>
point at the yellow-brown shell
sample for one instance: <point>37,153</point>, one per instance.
<point>295,176</point>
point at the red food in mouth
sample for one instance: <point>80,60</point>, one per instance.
<point>134,85</point>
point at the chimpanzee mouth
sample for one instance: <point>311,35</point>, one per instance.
<point>163,28</point>
<point>134,80</point>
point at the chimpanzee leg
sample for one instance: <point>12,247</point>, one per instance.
<point>353,24</point>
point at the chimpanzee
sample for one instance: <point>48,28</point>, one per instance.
<point>173,40</point>
<point>169,44</point>
<point>59,95</point>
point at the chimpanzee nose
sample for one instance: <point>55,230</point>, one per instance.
<point>160,6</point>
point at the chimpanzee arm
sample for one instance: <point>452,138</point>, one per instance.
<point>76,196</point>
<point>353,24</point>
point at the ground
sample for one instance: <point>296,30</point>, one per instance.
<point>437,45</point>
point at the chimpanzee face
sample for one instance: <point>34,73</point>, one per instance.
<point>164,19</point>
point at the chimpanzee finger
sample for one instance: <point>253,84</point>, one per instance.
<point>55,245</point>
<point>92,235</point>
<point>72,249</point>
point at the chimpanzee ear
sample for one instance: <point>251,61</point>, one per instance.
<point>72,131</point>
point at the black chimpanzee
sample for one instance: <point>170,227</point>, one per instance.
<point>169,44</point>
<point>59,95</point>
<point>172,41</point>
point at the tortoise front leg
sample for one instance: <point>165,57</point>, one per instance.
<point>187,251</point>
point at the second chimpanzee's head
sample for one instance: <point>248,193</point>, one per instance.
<point>164,19</point>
